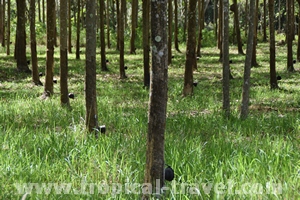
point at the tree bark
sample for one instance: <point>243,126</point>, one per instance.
<point>22,65</point>
<point>8,29</point>
<point>154,173</point>
<point>91,118</point>
<point>64,94</point>
<point>108,24</point>
<point>248,62</point>
<point>50,48</point>
<point>273,78</point>
<point>170,34</point>
<point>176,41</point>
<point>134,8</point>
<point>265,22</point>
<point>34,61</point>
<point>78,31</point>
<point>254,60</point>
<point>121,38</point>
<point>146,46</point>
<point>190,62</point>
<point>237,28</point>
<point>70,27</point>
<point>226,69</point>
<point>289,35</point>
<point>200,25</point>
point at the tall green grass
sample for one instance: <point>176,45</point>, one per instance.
<point>213,157</point>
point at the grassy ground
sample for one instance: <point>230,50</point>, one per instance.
<point>213,158</point>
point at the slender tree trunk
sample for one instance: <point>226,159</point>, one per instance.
<point>185,2</point>
<point>70,27</point>
<point>237,28</point>
<point>254,61</point>
<point>91,118</point>
<point>216,18</point>
<point>118,24</point>
<point>190,62</point>
<point>176,42</point>
<point>22,65</point>
<point>273,78</point>
<point>146,46</point>
<point>226,69</point>
<point>39,11</point>
<point>265,22</point>
<point>78,31</point>
<point>108,24</point>
<point>289,35</point>
<point>170,34</point>
<point>34,61</point>
<point>64,94</point>
<point>200,25</point>
<point>248,62</point>
<point>43,11</point>
<point>154,173</point>
<point>220,40</point>
<point>121,38</point>
<point>102,37</point>
<point>48,91</point>
<point>134,8</point>
<point>8,28</point>
<point>246,22</point>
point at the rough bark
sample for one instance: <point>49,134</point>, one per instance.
<point>154,173</point>
<point>91,118</point>
<point>248,62</point>
<point>34,61</point>
<point>273,78</point>
<point>64,94</point>
<point>146,46</point>
<point>190,62</point>
<point>226,69</point>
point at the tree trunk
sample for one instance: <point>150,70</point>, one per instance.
<point>265,22</point>
<point>70,27</point>
<point>200,25</point>
<point>78,31</point>
<point>2,21</point>
<point>273,78</point>
<point>170,21</point>
<point>50,48</point>
<point>8,29</point>
<point>254,61</point>
<point>39,11</point>
<point>91,118</point>
<point>64,94</point>
<point>134,8</point>
<point>108,24</point>
<point>22,65</point>
<point>34,61</point>
<point>121,38</point>
<point>118,24</point>
<point>190,62</point>
<point>146,46</point>
<point>176,42</point>
<point>248,62</point>
<point>154,173</point>
<point>43,11</point>
<point>289,35</point>
<point>226,69</point>
<point>102,37</point>
<point>246,22</point>
<point>237,28</point>
<point>220,40</point>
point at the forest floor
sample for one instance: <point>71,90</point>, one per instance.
<point>46,153</point>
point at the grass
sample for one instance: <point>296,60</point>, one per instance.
<point>213,158</point>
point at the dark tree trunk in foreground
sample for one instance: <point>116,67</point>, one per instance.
<point>22,65</point>
<point>154,173</point>
<point>190,62</point>
<point>50,48</point>
<point>121,28</point>
<point>34,62</point>
<point>102,37</point>
<point>273,77</point>
<point>91,118</point>
<point>248,62</point>
<point>146,45</point>
<point>64,94</point>
<point>290,24</point>
<point>226,70</point>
